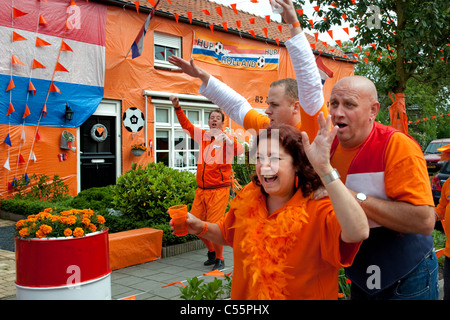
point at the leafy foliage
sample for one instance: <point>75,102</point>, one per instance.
<point>147,192</point>
<point>409,36</point>
<point>195,290</point>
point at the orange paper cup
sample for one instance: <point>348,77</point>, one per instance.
<point>178,214</point>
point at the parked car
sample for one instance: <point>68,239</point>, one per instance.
<point>432,156</point>
<point>438,181</point>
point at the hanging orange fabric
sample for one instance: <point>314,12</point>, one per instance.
<point>397,113</point>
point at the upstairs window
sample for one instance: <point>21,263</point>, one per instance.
<point>165,46</point>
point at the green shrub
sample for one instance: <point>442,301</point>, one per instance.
<point>147,192</point>
<point>32,206</point>
<point>94,198</point>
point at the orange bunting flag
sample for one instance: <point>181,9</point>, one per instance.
<point>238,23</point>
<point>313,45</point>
<point>26,112</point>
<point>334,4</point>
<point>65,47</point>
<point>136,3</point>
<point>17,13</point>
<point>37,65</point>
<point>225,25</point>
<point>16,60</point>
<point>54,88</point>
<point>280,27</point>
<point>211,26</point>
<point>252,20</point>
<point>32,88</point>
<point>316,8</point>
<point>152,2</point>
<point>176,15</point>
<point>366,60</point>
<point>344,16</point>
<point>233,5</point>
<point>265,31</point>
<point>60,67</point>
<point>40,42</point>
<point>11,85</point>
<point>42,20</point>
<point>219,11</point>
<point>169,1</point>
<point>268,19</point>
<point>311,23</point>
<point>10,109</point>
<point>44,109</point>
<point>189,14</point>
<point>330,32</point>
<point>254,1</point>
<point>205,11</point>
<point>278,41</point>
<point>316,36</point>
<point>339,43</point>
<point>300,12</point>
<point>17,37</point>
<point>346,30</point>
<point>252,33</point>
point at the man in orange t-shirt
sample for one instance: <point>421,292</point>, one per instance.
<point>217,151</point>
<point>386,171</point>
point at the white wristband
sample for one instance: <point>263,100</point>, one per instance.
<point>334,175</point>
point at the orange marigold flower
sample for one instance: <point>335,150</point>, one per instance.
<point>49,210</point>
<point>67,232</point>
<point>20,224</point>
<point>24,232</point>
<point>40,234</point>
<point>45,229</point>
<point>71,219</point>
<point>86,222</point>
<point>92,227</point>
<point>78,232</point>
<point>100,219</point>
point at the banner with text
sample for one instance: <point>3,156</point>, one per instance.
<point>226,53</point>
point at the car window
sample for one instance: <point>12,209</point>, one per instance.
<point>433,146</point>
<point>446,168</point>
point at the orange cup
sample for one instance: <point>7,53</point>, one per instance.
<point>178,214</point>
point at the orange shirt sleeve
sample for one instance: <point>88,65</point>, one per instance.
<point>406,174</point>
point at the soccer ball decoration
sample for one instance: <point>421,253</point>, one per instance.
<point>218,48</point>
<point>133,119</point>
<point>261,62</point>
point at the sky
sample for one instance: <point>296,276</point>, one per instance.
<point>263,8</point>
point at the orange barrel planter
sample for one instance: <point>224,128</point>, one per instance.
<point>63,268</point>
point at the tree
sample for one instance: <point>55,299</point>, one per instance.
<point>405,39</point>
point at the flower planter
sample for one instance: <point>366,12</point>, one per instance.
<point>137,152</point>
<point>63,268</point>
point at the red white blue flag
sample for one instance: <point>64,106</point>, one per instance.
<point>324,71</point>
<point>138,45</point>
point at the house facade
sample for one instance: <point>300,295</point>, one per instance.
<point>116,101</point>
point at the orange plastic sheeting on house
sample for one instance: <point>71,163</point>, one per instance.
<point>128,248</point>
<point>47,156</point>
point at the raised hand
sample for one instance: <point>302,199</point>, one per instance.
<point>318,152</point>
<point>190,68</point>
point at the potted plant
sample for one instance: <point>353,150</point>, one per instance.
<point>57,252</point>
<point>138,149</point>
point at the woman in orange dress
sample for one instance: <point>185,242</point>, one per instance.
<point>286,244</point>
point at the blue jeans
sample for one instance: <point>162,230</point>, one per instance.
<point>421,284</point>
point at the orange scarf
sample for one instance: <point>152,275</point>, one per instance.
<point>268,241</point>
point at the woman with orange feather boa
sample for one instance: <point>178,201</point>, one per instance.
<point>286,244</point>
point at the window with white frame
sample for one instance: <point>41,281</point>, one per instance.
<point>174,147</point>
<point>166,45</point>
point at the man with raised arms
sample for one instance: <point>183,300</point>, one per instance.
<point>292,102</point>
